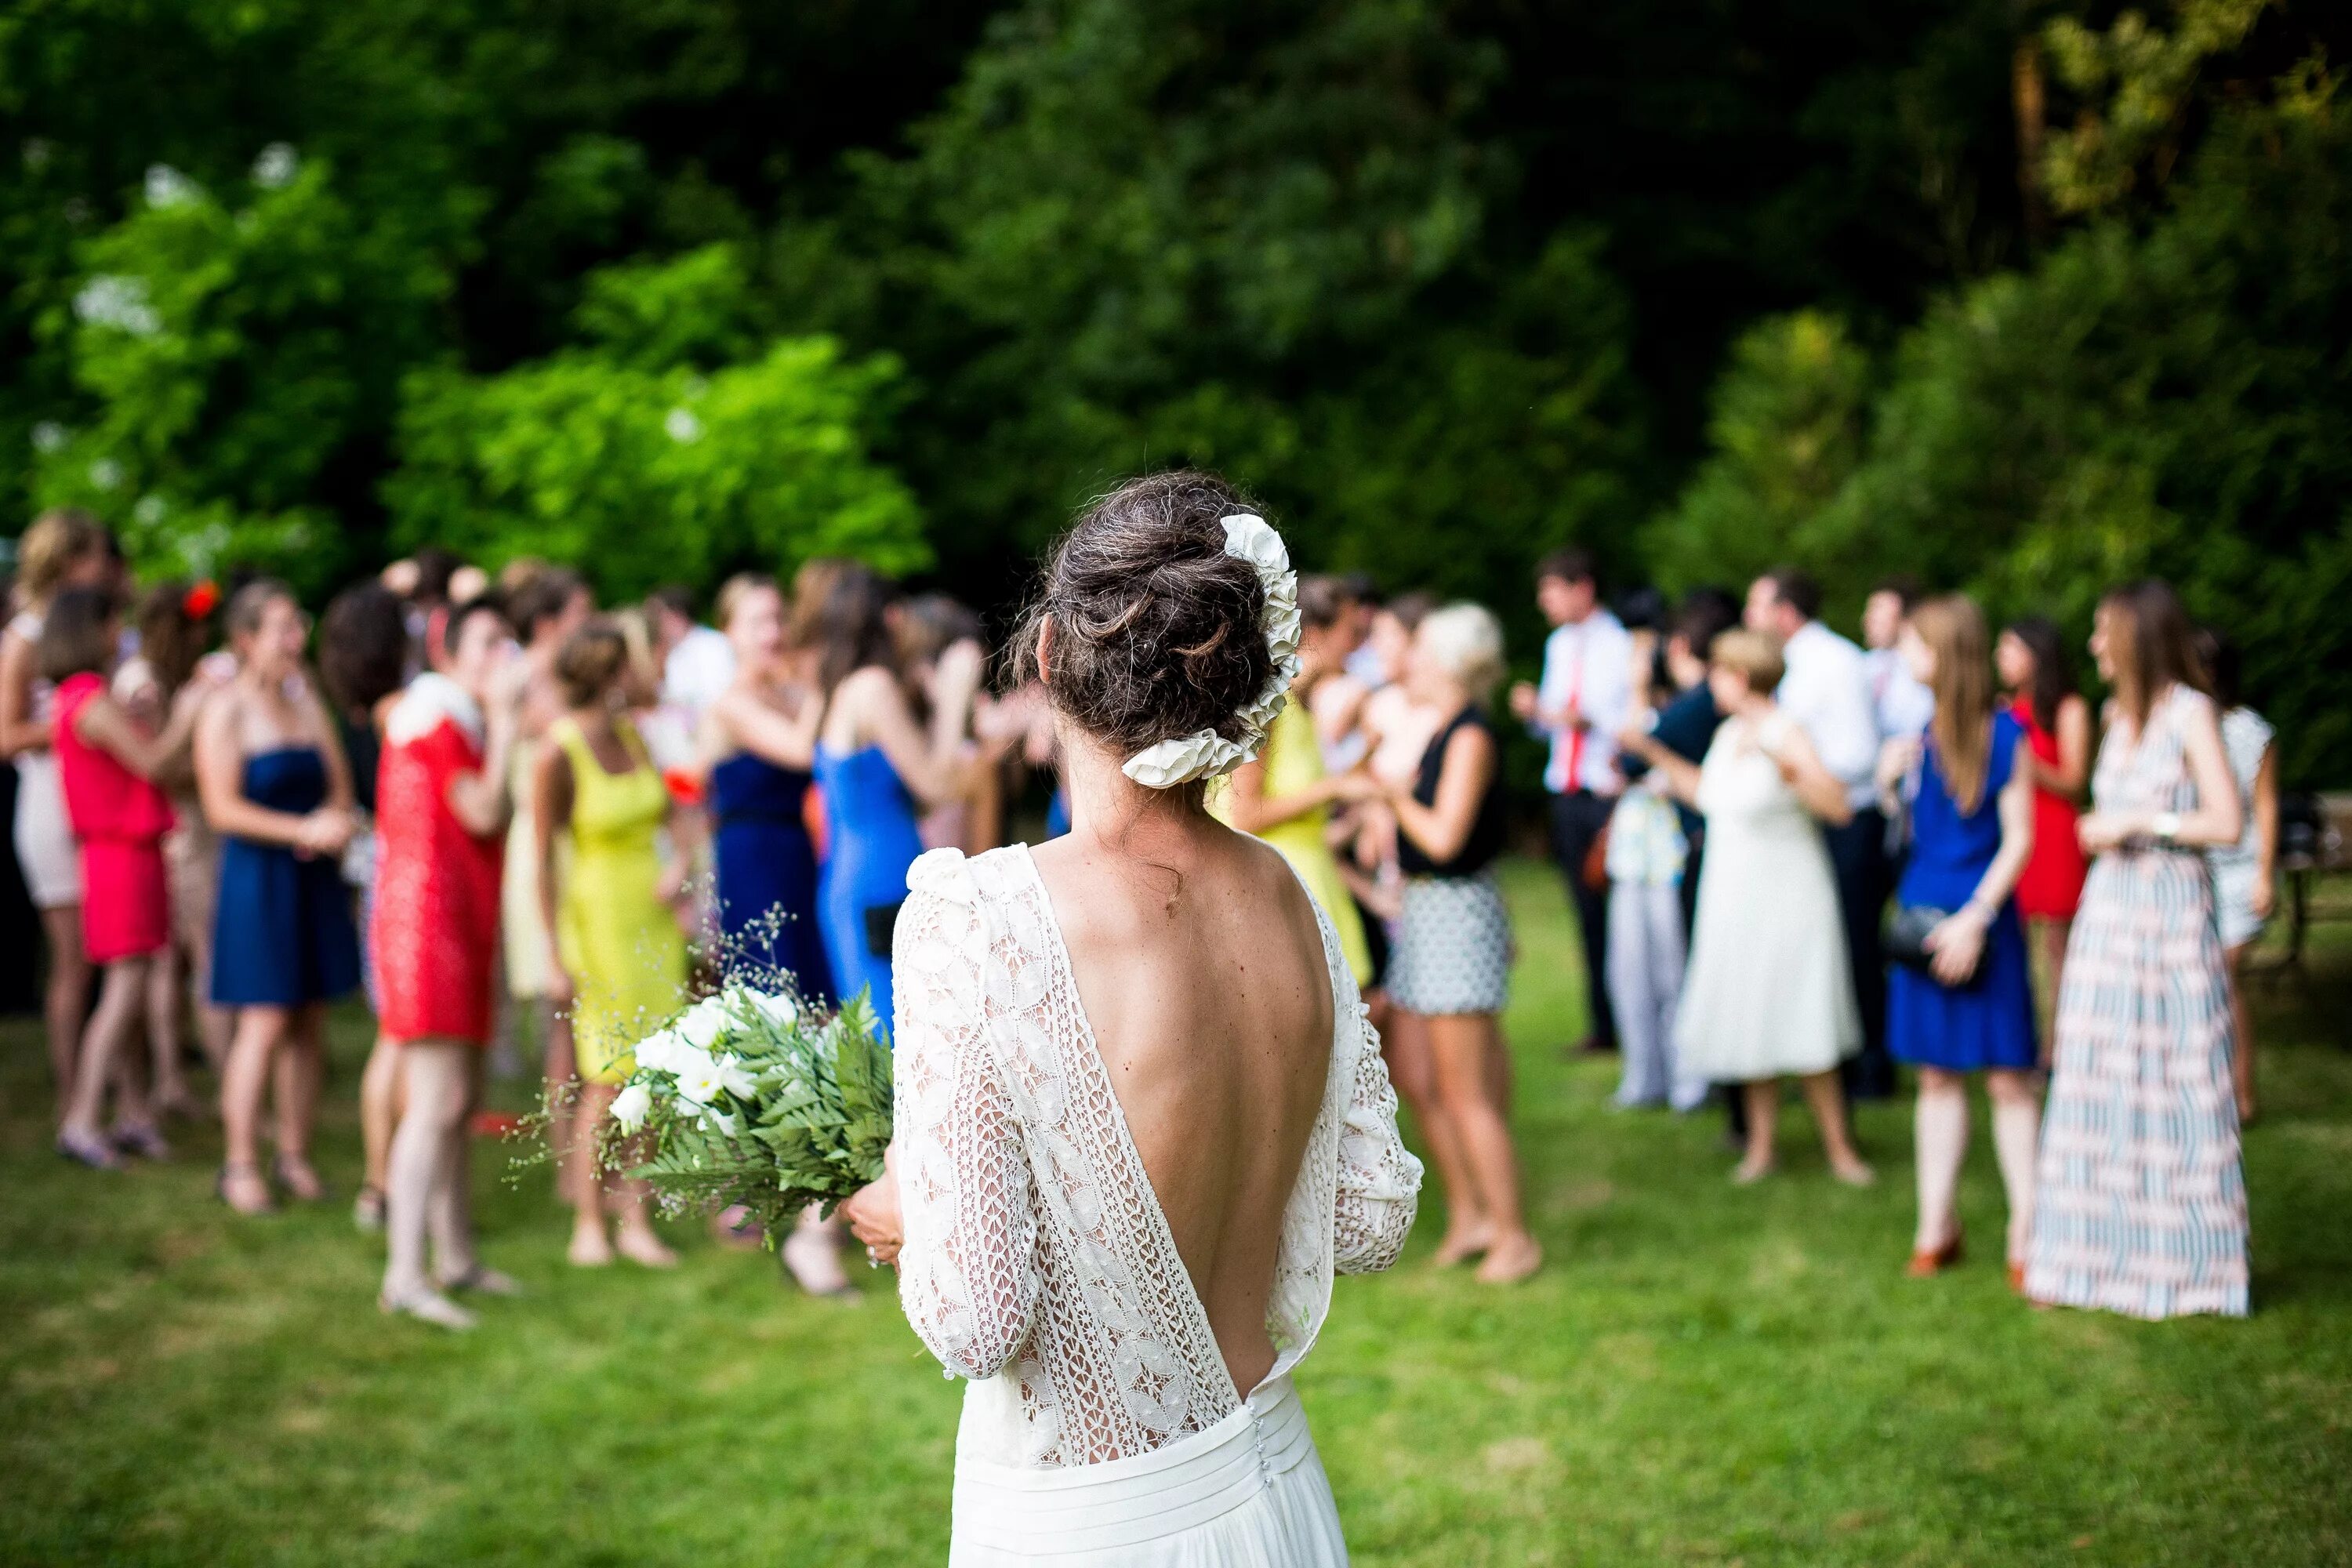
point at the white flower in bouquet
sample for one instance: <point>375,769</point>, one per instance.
<point>749,1098</point>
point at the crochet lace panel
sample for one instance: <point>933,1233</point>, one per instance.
<point>1035,1251</point>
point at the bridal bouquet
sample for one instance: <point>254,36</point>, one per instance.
<point>748,1099</point>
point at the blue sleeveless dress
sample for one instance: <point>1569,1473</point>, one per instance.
<point>767,877</point>
<point>871,840</point>
<point>1988,1023</point>
<point>282,930</point>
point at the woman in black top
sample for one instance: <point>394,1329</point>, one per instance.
<point>1451,965</point>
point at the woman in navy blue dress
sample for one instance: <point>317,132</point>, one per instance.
<point>274,785</point>
<point>761,734</point>
<point>1970,1008</point>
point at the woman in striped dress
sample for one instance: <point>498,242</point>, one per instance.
<point>2141,1205</point>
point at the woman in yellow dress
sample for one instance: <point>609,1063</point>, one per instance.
<point>1285,797</point>
<point>619,964</point>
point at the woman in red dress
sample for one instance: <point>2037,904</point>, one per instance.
<point>106,765</point>
<point>441,814</point>
<point>2031,656</point>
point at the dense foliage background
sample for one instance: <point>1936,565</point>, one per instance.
<point>2020,295</point>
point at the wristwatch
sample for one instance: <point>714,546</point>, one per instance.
<point>2166,825</point>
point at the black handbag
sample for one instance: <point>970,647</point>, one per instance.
<point>881,925</point>
<point>1905,940</point>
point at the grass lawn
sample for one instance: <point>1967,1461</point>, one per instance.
<point>1702,1374</point>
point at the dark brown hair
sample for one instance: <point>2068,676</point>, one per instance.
<point>2054,676</point>
<point>541,596</point>
<point>1573,564</point>
<point>363,646</point>
<point>839,608</point>
<point>2151,643</point>
<point>172,640</point>
<point>1158,632</point>
<point>1323,601</point>
<point>590,662</point>
<point>77,634</point>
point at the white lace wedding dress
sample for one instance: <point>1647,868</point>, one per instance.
<point>1100,1424</point>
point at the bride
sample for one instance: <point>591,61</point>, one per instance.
<point>1141,1120</point>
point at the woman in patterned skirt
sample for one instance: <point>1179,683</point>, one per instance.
<point>1451,964</point>
<point>2141,1206</point>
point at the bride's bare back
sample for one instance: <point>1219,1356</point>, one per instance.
<point>1201,969</point>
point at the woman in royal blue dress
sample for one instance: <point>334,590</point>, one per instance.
<point>274,785</point>
<point>1969,1008</point>
<point>762,737</point>
<point>883,754</point>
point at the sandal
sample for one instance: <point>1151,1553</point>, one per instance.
<point>145,1140</point>
<point>85,1148</point>
<point>297,1176</point>
<point>1926,1265</point>
<point>368,1210</point>
<point>484,1280</point>
<point>427,1307</point>
<point>252,1209</point>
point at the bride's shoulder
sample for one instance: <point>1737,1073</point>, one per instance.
<point>969,880</point>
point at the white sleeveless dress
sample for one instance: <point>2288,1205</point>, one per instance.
<point>1769,991</point>
<point>1100,1424</point>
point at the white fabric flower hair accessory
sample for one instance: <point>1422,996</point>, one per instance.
<point>1205,753</point>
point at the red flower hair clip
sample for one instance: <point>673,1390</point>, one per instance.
<point>199,600</point>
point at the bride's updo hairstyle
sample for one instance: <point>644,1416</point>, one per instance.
<point>1158,632</point>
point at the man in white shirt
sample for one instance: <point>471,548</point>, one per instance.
<point>1585,699</point>
<point>698,664</point>
<point>1904,706</point>
<point>1827,691</point>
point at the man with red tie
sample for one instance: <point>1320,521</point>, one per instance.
<point>1584,699</point>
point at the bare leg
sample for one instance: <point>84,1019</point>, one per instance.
<point>2016,1137</point>
<point>215,1024</point>
<point>381,1083</point>
<point>1828,1100</point>
<point>244,1079</point>
<point>1940,1129</point>
<point>301,1071</point>
<point>436,1082</point>
<point>66,997</point>
<point>1763,1101</point>
<point>633,1237</point>
<point>111,1027</point>
<point>1461,1045</point>
<point>163,1007</point>
<point>1404,1042</point>
<point>2241,1058</point>
<point>2054,934</point>
<point>813,1255</point>
<point>562,1091</point>
<point>592,1242</point>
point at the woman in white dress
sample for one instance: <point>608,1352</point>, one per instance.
<point>1768,995</point>
<point>63,549</point>
<point>1142,1120</point>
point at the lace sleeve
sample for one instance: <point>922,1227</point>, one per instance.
<point>967,1272</point>
<point>1380,1181</point>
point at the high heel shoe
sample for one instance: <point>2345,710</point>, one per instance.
<point>1928,1265</point>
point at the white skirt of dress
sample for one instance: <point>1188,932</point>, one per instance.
<point>1249,1492</point>
<point>44,835</point>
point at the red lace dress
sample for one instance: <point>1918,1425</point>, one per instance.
<point>2051,886</point>
<point>121,820</point>
<point>436,931</point>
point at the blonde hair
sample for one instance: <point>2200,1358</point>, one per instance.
<point>1954,630</point>
<point>638,638</point>
<point>1467,641</point>
<point>1752,656</point>
<point>57,540</point>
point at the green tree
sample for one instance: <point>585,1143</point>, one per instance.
<point>230,357</point>
<point>646,457</point>
<point>1784,435</point>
